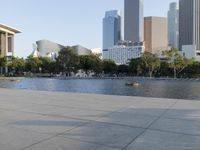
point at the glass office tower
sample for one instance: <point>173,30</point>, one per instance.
<point>111,30</point>
<point>173,25</point>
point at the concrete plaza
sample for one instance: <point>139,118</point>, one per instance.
<point>35,120</point>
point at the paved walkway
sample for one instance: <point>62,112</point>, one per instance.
<point>32,120</point>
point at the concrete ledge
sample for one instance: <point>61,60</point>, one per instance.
<point>37,120</point>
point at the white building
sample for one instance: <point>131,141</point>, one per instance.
<point>46,48</point>
<point>190,52</point>
<point>123,54</point>
<point>80,50</point>
<point>96,50</point>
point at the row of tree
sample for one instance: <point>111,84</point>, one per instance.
<point>66,63</point>
<point>172,65</point>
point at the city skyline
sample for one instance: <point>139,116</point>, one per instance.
<point>66,25</point>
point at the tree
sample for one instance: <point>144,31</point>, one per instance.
<point>96,63</point>
<point>3,63</point>
<point>17,65</point>
<point>165,70</point>
<point>90,63</point>
<point>176,61</point>
<point>192,70</point>
<point>54,67</point>
<point>122,69</point>
<point>32,64</point>
<point>45,64</point>
<point>150,62</point>
<point>68,60</point>
<point>85,63</point>
<point>109,67</point>
<point>134,66</point>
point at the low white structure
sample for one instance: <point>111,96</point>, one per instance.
<point>96,51</point>
<point>35,53</point>
<point>123,54</point>
<point>190,51</point>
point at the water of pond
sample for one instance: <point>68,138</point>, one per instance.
<point>181,89</point>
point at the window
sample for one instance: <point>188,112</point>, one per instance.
<point>10,48</point>
<point>0,42</point>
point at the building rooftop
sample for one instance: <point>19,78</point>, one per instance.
<point>48,41</point>
<point>9,28</point>
<point>155,17</point>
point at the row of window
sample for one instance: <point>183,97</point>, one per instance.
<point>122,55</point>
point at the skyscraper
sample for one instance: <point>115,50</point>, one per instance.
<point>111,30</point>
<point>155,34</point>
<point>173,25</point>
<point>189,27</point>
<point>133,20</point>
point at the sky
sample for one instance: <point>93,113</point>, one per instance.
<point>67,22</point>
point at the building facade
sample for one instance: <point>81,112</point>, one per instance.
<point>173,25</point>
<point>80,50</point>
<point>46,48</point>
<point>189,27</point>
<point>111,28</point>
<point>155,34</point>
<point>7,40</point>
<point>123,54</point>
<point>133,21</point>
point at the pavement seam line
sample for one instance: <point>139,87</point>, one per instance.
<point>91,142</point>
<point>150,125</point>
<point>54,136</point>
<point>165,131</point>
